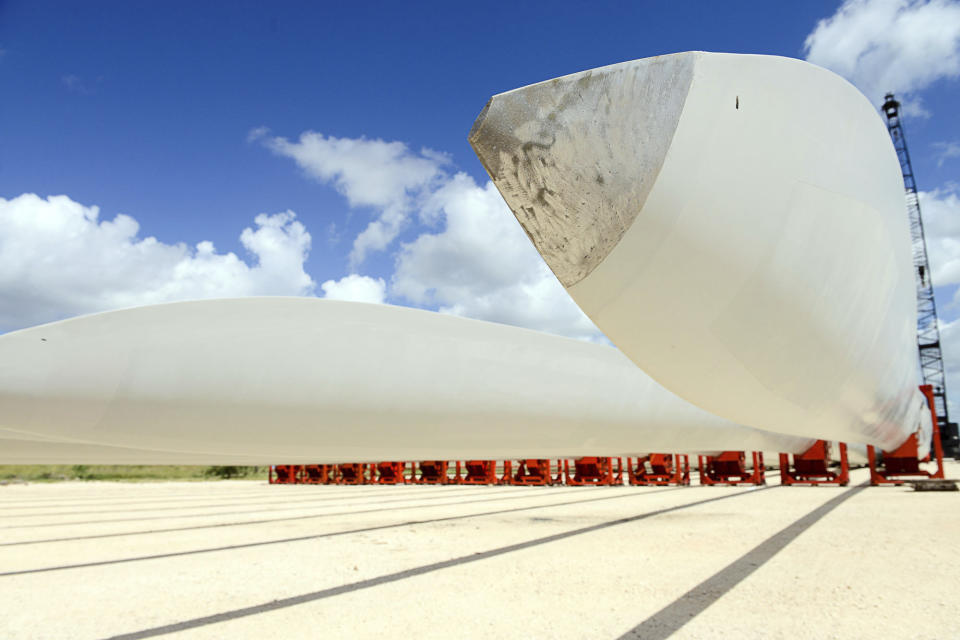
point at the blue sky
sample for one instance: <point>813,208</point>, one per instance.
<point>187,117</point>
<point>155,122</point>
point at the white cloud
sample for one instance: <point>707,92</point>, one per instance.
<point>941,225</point>
<point>912,106</point>
<point>58,259</point>
<point>76,84</point>
<point>941,222</point>
<point>355,288</point>
<point>385,176</point>
<point>946,150</point>
<point>950,349</point>
<point>889,45</point>
<point>257,133</point>
<point>482,265</point>
<point>474,259</point>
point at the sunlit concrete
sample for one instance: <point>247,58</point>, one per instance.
<point>244,559</point>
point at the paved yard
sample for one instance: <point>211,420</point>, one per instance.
<point>249,560</point>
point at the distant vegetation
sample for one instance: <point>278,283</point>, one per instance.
<point>125,473</point>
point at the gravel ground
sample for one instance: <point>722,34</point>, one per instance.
<point>245,559</point>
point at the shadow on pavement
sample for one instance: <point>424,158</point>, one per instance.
<point>668,620</point>
<point>411,573</point>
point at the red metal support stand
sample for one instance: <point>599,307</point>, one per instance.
<point>530,472</point>
<point>431,472</point>
<point>478,472</point>
<point>729,468</point>
<point>284,474</point>
<point>812,466</point>
<point>352,473</point>
<point>904,461</point>
<point>594,471</point>
<point>317,474</point>
<point>389,473</point>
<point>659,469</point>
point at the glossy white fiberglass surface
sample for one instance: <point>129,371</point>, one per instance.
<point>308,380</point>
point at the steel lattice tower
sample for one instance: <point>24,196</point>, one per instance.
<point>928,330</point>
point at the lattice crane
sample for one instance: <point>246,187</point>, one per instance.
<point>928,330</point>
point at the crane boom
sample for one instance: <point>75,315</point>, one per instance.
<point>928,329</point>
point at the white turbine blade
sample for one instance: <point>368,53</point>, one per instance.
<point>734,224</point>
<point>305,380</point>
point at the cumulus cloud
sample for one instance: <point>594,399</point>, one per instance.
<point>59,259</point>
<point>257,133</point>
<point>889,45</point>
<point>470,259</point>
<point>385,176</point>
<point>946,150</point>
<point>76,84</point>
<point>950,347</point>
<point>941,222</point>
<point>356,288</point>
<point>480,264</point>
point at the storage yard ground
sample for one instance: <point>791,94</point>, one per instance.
<point>247,560</point>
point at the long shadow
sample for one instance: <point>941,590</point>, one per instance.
<point>181,507</point>
<point>314,516</point>
<point>275,491</point>
<point>157,489</point>
<point>322,493</point>
<point>103,501</point>
<point>101,495</point>
<point>261,489</point>
<point>222,490</point>
<point>408,573</point>
<point>672,617</point>
<point>47,525</point>
<point>333,534</point>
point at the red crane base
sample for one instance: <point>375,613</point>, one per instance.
<point>530,472</point>
<point>317,474</point>
<point>594,471</point>
<point>812,466</point>
<point>478,472</point>
<point>391,473</point>
<point>904,461</point>
<point>352,473</point>
<point>729,468</point>
<point>284,474</point>
<point>659,469</point>
<point>431,472</point>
